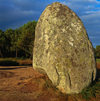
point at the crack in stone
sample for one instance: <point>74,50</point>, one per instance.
<point>58,80</point>
<point>69,79</point>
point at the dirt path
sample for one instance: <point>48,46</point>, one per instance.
<point>22,83</point>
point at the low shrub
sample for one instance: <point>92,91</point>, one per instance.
<point>91,91</point>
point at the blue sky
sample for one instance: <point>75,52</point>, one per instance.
<point>15,13</point>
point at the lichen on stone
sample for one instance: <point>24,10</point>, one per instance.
<point>63,50</point>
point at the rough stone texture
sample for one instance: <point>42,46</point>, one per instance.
<point>63,50</point>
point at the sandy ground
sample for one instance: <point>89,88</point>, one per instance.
<point>23,83</point>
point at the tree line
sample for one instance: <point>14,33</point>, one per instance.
<point>19,42</point>
<point>97,51</point>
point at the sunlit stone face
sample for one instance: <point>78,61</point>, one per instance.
<point>63,50</point>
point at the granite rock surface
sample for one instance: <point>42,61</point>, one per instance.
<point>63,50</point>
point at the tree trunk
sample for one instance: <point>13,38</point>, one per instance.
<point>1,54</point>
<point>16,53</point>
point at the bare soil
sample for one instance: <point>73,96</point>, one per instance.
<point>23,83</point>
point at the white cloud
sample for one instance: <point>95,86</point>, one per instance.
<point>91,14</point>
<point>96,1</point>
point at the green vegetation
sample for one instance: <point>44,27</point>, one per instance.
<point>18,42</point>
<point>92,90</point>
<point>97,51</point>
<point>98,60</point>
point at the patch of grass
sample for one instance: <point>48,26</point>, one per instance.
<point>8,63</point>
<point>98,60</point>
<point>91,91</point>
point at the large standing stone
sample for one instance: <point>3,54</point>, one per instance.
<point>63,50</point>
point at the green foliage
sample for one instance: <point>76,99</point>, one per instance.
<point>97,51</point>
<point>91,91</point>
<point>18,42</point>
<point>9,34</point>
<point>3,44</point>
<point>26,39</point>
<point>98,60</point>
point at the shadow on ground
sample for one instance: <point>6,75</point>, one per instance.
<point>11,68</point>
<point>8,63</point>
